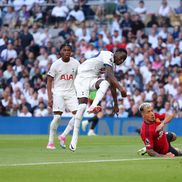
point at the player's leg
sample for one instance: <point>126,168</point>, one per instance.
<point>58,107</point>
<point>175,151</point>
<point>67,130</point>
<point>53,127</point>
<point>95,120</point>
<point>71,103</point>
<point>69,127</point>
<point>78,117</point>
<point>94,123</point>
<point>171,136</point>
<point>91,120</point>
<point>82,90</point>
<point>101,85</point>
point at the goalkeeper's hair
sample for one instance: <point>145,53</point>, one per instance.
<point>144,105</point>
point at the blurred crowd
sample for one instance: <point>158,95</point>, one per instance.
<point>31,32</point>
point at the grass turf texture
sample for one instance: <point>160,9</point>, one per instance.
<point>25,158</point>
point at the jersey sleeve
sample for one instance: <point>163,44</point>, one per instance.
<point>147,137</point>
<point>77,65</point>
<point>108,58</point>
<point>160,116</point>
<point>52,71</point>
<point>148,141</point>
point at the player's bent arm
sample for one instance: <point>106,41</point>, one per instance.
<point>152,153</point>
<point>169,117</point>
<point>114,94</point>
<point>49,87</point>
<point>113,81</point>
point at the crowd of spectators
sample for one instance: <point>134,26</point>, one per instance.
<point>152,71</point>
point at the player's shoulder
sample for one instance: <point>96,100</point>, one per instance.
<point>74,60</point>
<point>106,53</point>
<point>58,61</point>
<point>159,114</point>
<point>159,117</point>
<point>107,56</point>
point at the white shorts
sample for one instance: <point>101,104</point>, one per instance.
<point>66,100</point>
<point>84,85</point>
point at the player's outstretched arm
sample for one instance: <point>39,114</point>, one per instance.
<point>167,119</point>
<point>49,90</point>
<point>152,153</point>
<point>113,81</point>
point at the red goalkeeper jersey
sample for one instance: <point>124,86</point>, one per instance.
<point>152,139</point>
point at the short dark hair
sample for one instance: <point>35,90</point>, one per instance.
<point>121,50</point>
<point>141,1</point>
<point>65,44</point>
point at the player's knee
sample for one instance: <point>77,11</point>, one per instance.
<point>104,85</point>
<point>72,121</point>
<point>55,122</point>
<point>80,111</point>
<point>174,136</point>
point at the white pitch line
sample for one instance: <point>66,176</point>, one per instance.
<point>83,162</point>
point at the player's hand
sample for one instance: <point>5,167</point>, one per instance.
<point>123,92</point>
<point>169,154</point>
<point>50,103</point>
<point>159,127</point>
<point>115,109</point>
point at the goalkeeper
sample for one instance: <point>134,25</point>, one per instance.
<point>157,141</point>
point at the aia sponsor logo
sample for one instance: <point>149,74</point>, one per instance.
<point>66,77</point>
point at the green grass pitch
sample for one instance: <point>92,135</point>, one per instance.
<point>97,159</point>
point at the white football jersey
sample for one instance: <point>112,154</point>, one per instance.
<point>94,66</point>
<point>64,74</point>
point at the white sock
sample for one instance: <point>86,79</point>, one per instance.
<point>91,130</point>
<point>69,127</point>
<point>104,85</point>
<point>78,118</point>
<point>53,127</point>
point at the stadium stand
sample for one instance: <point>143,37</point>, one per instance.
<point>30,41</point>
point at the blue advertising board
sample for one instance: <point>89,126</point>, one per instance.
<point>106,126</point>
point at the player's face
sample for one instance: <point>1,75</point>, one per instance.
<point>148,114</point>
<point>119,58</point>
<point>66,53</point>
